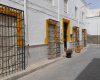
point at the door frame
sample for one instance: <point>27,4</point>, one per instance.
<point>84,30</point>
<point>76,35</point>
<point>57,41</point>
<point>68,30</point>
<point>52,23</point>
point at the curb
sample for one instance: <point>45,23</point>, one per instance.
<point>28,71</point>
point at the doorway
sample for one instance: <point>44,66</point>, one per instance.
<point>65,35</point>
<point>65,32</point>
<point>75,31</point>
<point>53,38</point>
<point>51,41</point>
<point>84,37</point>
<point>74,38</point>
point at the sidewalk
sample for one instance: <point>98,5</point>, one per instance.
<point>82,66</point>
<point>31,69</point>
<point>35,67</point>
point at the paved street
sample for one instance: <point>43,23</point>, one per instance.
<point>83,66</point>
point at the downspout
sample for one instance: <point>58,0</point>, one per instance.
<point>79,22</point>
<point>26,31</point>
<point>26,21</point>
<point>97,32</point>
<point>58,11</point>
<point>78,14</point>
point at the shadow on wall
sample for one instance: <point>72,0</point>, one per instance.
<point>91,72</point>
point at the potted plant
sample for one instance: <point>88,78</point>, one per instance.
<point>69,53</point>
<point>81,46</point>
<point>77,49</point>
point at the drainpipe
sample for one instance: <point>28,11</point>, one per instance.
<point>58,11</point>
<point>78,14</point>
<point>78,21</point>
<point>97,32</point>
<point>26,21</point>
<point>26,31</point>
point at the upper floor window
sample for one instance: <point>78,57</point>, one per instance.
<point>76,12</point>
<point>65,5</point>
<point>82,16</point>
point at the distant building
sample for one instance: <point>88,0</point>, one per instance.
<point>93,25</point>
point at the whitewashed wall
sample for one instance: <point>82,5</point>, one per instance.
<point>40,10</point>
<point>93,26</point>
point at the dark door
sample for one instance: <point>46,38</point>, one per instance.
<point>85,38</point>
<point>65,35</point>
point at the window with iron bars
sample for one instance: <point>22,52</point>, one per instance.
<point>12,40</point>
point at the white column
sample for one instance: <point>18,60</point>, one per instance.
<point>26,22</point>
<point>79,20</point>
<point>78,13</point>
<point>97,31</point>
<point>58,11</point>
<point>26,32</point>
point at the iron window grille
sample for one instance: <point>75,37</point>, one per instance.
<point>12,40</point>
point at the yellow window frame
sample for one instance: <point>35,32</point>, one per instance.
<point>68,29</point>
<point>17,14</point>
<point>74,28</point>
<point>47,22</point>
<point>83,30</point>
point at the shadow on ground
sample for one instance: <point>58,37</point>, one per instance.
<point>91,72</point>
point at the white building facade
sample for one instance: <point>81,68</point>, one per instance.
<point>93,19</point>
<point>45,13</point>
<point>93,23</point>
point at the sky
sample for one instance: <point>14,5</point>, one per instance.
<point>95,4</point>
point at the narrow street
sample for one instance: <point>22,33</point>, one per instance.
<point>82,66</point>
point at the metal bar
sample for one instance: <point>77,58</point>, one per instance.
<point>20,47</point>
<point>6,44</point>
<point>22,43</point>
<point>10,43</point>
<point>12,55</point>
<point>2,41</point>
<point>14,47</point>
<point>17,46</point>
<point>24,40</point>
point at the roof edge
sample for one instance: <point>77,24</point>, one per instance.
<point>84,2</point>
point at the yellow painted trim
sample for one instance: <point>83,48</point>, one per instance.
<point>47,22</point>
<point>72,33</point>
<point>68,30</point>
<point>17,14</point>
<point>74,28</point>
<point>84,34</point>
<point>81,35</point>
